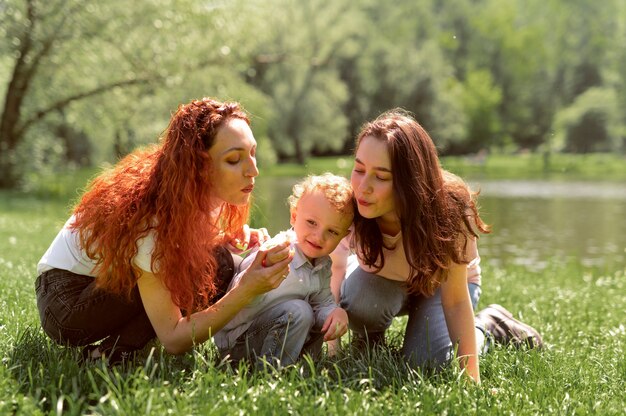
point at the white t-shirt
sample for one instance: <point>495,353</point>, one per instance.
<point>66,253</point>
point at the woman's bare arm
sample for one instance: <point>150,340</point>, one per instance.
<point>177,333</point>
<point>459,315</point>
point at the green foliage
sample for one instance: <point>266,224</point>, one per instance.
<point>594,114</point>
<point>85,82</point>
<point>480,101</point>
<point>549,166</point>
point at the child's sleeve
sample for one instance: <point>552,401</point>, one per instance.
<point>323,303</point>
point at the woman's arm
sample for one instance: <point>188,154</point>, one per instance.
<point>177,333</point>
<point>339,258</point>
<point>459,315</point>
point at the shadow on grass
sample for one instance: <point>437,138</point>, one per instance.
<point>57,379</point>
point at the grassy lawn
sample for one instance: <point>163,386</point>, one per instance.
<point>579,310</point>
<point>603,166</point>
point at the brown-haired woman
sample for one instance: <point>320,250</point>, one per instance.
<point>143,253</point>
<point>415,240</point>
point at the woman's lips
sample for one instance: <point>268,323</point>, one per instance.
<point>248,189</point>
<point>364,203</point>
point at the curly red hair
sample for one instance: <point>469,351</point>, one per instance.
<point>165,189</point>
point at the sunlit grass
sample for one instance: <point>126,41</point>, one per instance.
<point>597,166</point>
<point>557,166</point>
<point>578,309</point>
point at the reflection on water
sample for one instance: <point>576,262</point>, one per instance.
<point>532,221</point>
<point>535,221</point>
<point>542,189</point>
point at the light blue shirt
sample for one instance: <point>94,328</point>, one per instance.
<point>304,281</point>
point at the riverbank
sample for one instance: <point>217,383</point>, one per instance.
<point>562,167</point>
<point>68,184</point>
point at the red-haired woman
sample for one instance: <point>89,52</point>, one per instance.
<point>415,240</point>
<point>143,253</point>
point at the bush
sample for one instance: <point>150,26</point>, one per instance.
<point>590,124</point>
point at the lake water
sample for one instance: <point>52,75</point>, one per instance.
<point>533,222</point>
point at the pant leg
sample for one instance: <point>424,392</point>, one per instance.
<point>315,340</point>
<point>427,342</point>
<point>74,312</point>
<point>277,334</point>
<point>475,291</point>
<point>371,302</point>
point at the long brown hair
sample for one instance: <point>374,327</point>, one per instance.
<point>166,189</point>
<point>438,212</point>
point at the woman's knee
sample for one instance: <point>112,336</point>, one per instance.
<point>371,301</point>
<point>475,291</point>
<point>435,357</point>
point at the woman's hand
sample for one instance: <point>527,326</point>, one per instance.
<point>246,239</point>
<point>177,333</point>
<point>268,270</point>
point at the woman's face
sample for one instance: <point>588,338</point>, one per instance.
<point>372,180</point>
<point>234,162</point>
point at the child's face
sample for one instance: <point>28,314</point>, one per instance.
<point>318,225</point>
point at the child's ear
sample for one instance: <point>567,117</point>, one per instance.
<point>292,219</point>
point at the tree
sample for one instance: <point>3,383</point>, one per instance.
<point>295,64</point>
<point>62,52</point>
<point>590,124</point>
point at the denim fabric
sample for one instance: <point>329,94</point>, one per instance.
<point>475,291</point>
<point>279,335</point>
<point>372,302</point>
<point>304,281</point>
<point>74,312</point>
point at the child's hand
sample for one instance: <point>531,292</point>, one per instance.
<point>246,239</point>
<point>333,347</point>
<point>275,256</point>
<point>336,324</point>
<point>258,236</point>
<point>259,278</point>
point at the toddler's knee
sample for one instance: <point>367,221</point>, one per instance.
<point>299,313</point>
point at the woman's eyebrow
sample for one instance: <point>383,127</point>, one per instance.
<point>381,168</point>
<point>234,148</point>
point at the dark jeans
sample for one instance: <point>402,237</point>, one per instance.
<point>74,312</point>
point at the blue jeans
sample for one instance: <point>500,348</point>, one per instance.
<point>372,302</point>
<point>279,335</point>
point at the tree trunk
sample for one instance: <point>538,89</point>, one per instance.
<point>9,132</point>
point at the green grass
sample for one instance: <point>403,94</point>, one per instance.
<point>558,166</point>
<point>580,312</point>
